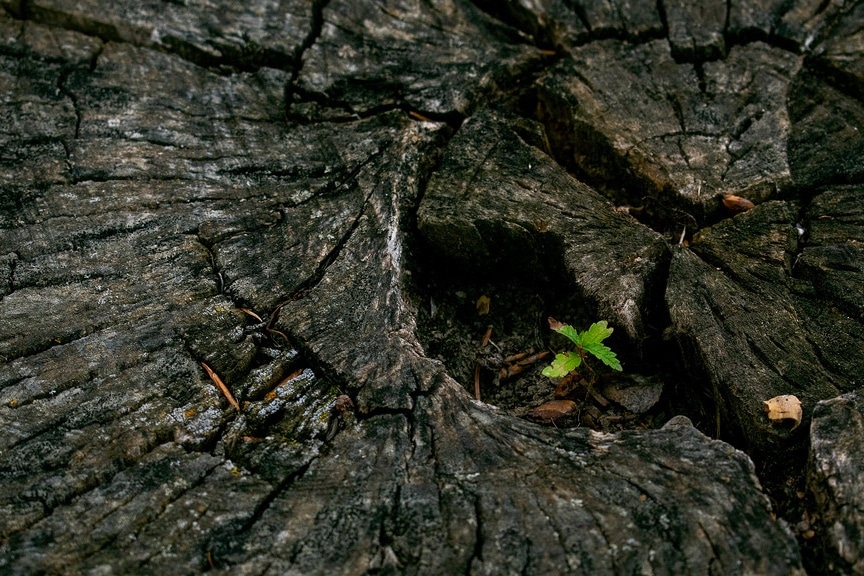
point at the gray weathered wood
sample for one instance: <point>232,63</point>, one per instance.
<point>499,205</point>
<point>242,34</point>
<point>834,478</point>
<point>437,60</point>
<point>281,190</point>
<point>633,121</point>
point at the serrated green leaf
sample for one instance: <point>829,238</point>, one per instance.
<point>562,365</point>
<point>604,354</point>
<point>565,330</point>
<point>595,334</point>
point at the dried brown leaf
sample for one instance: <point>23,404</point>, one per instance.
<point>552,410</point>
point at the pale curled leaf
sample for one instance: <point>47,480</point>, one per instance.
<point>786,408</point>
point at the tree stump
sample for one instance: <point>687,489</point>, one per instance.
<point>257,257</point>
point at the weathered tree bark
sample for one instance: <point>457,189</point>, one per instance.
<point>835,480</point>
<point>309,197</point>
<point>498,206</point>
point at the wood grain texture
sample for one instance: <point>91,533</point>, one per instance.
<point>268,188</point>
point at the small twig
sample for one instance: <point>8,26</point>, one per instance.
<point>271,321</point>
<point>683,233</point>
<point>290,377</point>
<point>417,116</point>
<point>510,371</point>
<point>221,385</point>
<point>533,358</point>
<point>280,333</point>
<point>273,391</point>
<point>515,357</point>
<point>523,360</point>
<point>486,337</point>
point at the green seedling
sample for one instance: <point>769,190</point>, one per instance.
<point>590,341</point>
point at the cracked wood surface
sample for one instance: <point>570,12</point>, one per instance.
<point>265,186</point>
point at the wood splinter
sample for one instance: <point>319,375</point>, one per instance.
<point>222,387</point>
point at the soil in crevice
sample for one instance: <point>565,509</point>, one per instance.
<point>455,314</point>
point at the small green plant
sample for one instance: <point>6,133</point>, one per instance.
<point>590,341</point>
